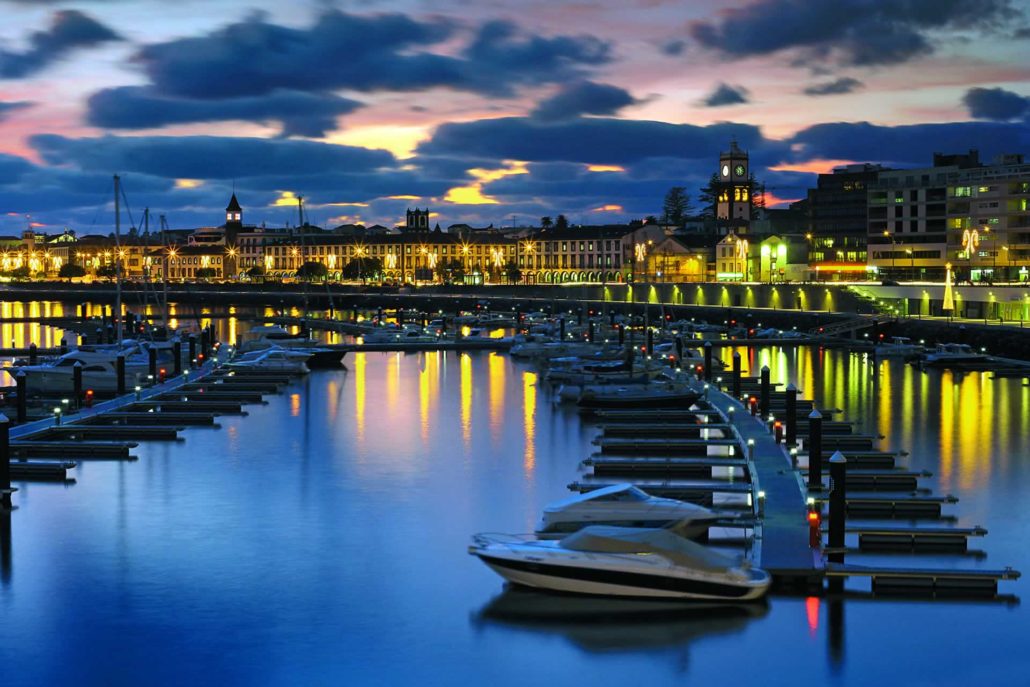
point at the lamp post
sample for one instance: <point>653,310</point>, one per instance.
<point>894,244</point>
<point>912,262</point>
<point>1008,263</point>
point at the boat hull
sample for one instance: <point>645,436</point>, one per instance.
<point>607,582</point>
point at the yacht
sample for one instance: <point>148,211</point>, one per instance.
<point>948,354</point>
<point>273,360</point>
<point>637,396</point>
<point>407,334</point>
<point>268,336</point>
<point>624,505</point>
<point>99,370</point>
<point>622,561</point>
<point>898,347</point>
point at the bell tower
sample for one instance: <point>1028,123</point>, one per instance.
<point>234,214</point>
<point>733,207</point>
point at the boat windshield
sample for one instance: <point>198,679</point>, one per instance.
<point>663,542</point>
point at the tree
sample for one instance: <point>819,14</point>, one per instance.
<point>676,206</point>
<point>70,270</point>
<point>453,270</point>
<point>709,196</point>
<point>512,272</point>
<point>107,271</point>
<point>206,273</point>
<point>313,270</point>
<point>362,268</point>
<point>757,192</point>
<point>256,271</point>
<point>546,222</point>
<point>561,222</point>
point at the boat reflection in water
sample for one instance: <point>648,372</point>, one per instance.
<point>603,625</point>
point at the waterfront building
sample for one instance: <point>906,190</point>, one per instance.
<point>190,263</point>
<point>961,212</point>
<point>838,222</point>
<point>733,258</point>
<point>614,253</point>
<point>682,257</point>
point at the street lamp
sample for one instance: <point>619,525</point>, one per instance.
<point>912,261</point>
<point>894,244</point>
<point>1008,262</point>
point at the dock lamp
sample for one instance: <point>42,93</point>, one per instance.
<point>139,392</point>
<point>57,415</point>
<point>761,502</point>
<point>751,450</point>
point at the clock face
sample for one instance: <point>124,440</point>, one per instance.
<point>739,170</point>
<point>725,170</point>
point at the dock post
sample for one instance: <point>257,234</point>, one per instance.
<point>110,334</point>
<point>33,354</point>
<point>22,383</point>
<point>708,361</point>
<point>792,415</point>
<point>622,335</point>
<point>5,462</point>
<point>193,349</point>
<point>64,346</point>
<point>152,362</point>
<point>591,331</point>
<point>121,375</point>
<point>650,342</point>
<point>77,382</point>
<point>815,450</point>
<point>764,391</point>
<point>177,358</point>
<point>203,342</point>
<point>561,329</point>
<point>736,374</point>
<point>838,506</point>
<point>679,351</point>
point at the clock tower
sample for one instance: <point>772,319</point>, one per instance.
<point>733,208</point>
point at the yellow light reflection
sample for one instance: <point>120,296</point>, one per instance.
<point>465,372</point>
<point>359,396</point>
<point>529,421</point>
<point>497,369</point>
<point>294,405</point>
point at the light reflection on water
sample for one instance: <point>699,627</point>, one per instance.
<point>321,539</point>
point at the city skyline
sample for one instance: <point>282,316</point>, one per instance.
<point>492,114</point>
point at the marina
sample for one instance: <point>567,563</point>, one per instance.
<point>757,490</point>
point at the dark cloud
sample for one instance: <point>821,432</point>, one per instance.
<point>591,141</point>
<point>840,86</point>
<point>361,53</point>
<point>11,106</point>
<point>907,146</point>
<point>299,114</point>
<point>725,94</point>
<point>995,103</point>
<point>207,157</point>
<point>851,32</point>
<point>583,98</point>
<point>673,48</point>
<point>69,30</point>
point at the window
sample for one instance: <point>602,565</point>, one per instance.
<point>963,191</point>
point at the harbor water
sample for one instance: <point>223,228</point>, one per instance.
<point>321,540</point>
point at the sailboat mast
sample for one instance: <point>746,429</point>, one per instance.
<point>117,259</point>
<point>164,272</point>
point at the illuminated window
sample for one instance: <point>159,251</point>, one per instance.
<point>963,191</point>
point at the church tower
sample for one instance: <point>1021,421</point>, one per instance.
<point>234,214</point>
<point>417,220</point>
<point>733,209</point>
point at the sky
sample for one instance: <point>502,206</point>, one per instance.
<point>485,112</point>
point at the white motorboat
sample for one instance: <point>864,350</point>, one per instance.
<point>267,336</point>
<point>407,334</point>
<point>99,370</point>
<point>898,347</point>
<point>622,561</point>
<point>275,359</point>
<point>623,505</point>
<point>947,354</point>
<point>652,395</point>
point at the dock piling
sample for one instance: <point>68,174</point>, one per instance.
<point>679,350</point>
<point>152,361</point>
<point>64,346</point>
<point>622,335</point>
<point>590,335</point>
<point>792,415</point>
<point>764,391</point>
<point>5,463</point>
<point>33,354</point>
<point>77,382</point>
<point>815,450</point>
<point>22,383</point>
<point>193,349</point>
<point>708,359</point>
<point>736,374</point>
<point>561,327</point>
<point>838,505</point>
<point>121,375</point>
<point>650,342</point>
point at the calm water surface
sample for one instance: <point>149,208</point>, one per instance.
<point>321,540</point>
